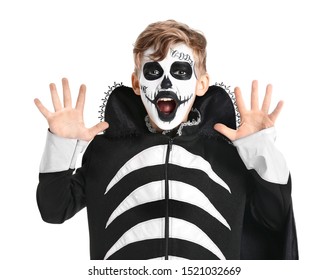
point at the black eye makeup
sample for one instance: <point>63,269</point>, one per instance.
<point>152,71</point>
<point>181,70</point>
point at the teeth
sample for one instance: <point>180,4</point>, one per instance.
<point>165,99</point>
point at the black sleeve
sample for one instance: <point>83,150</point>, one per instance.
<point>60,195</point>
<point>269,202</point>
<point>269,205</point>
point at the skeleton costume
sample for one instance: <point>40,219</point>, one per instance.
<point>186,193</point>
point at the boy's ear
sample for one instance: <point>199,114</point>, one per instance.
<point>135,84</point>
<point>202,85</point>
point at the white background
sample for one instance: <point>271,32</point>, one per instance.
<point>280,42</point>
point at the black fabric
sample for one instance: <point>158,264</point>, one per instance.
<point>259,243</point>
<point>125,112</point>
<point>215,106</point>
<point>189,250</point>
<point>259,213</point>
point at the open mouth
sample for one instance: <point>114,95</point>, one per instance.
<point>167,103</point>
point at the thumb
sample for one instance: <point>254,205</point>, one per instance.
<point>98,128</point>
<point>226,131</point>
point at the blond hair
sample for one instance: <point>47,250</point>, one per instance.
<point>161,35</point>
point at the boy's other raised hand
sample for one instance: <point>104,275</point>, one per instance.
<point>255,119</point>
<point>67,121</point>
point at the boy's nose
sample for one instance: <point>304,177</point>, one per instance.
<point>166,84</point>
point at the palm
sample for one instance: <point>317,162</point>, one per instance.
<point>67,121</point>
<point>252,120</point>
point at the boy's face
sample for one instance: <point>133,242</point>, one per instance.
<point>168,87</point>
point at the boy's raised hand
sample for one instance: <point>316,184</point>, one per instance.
<point>67,121</point>
<point>252,120</point>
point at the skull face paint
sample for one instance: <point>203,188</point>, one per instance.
<point>168,87</point>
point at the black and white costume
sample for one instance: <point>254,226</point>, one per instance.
<point>188,193</point>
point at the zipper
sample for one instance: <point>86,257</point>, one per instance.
<point>169,148</point>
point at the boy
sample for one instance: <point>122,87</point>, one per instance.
<point>164,181</point>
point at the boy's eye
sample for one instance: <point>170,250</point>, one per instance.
<point>152,71</point>
<point>180,73</point>
<point>181,70</point>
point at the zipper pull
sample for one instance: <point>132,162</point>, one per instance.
<point>171,140</point>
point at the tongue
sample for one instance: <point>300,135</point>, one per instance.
<point>166,107</point>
